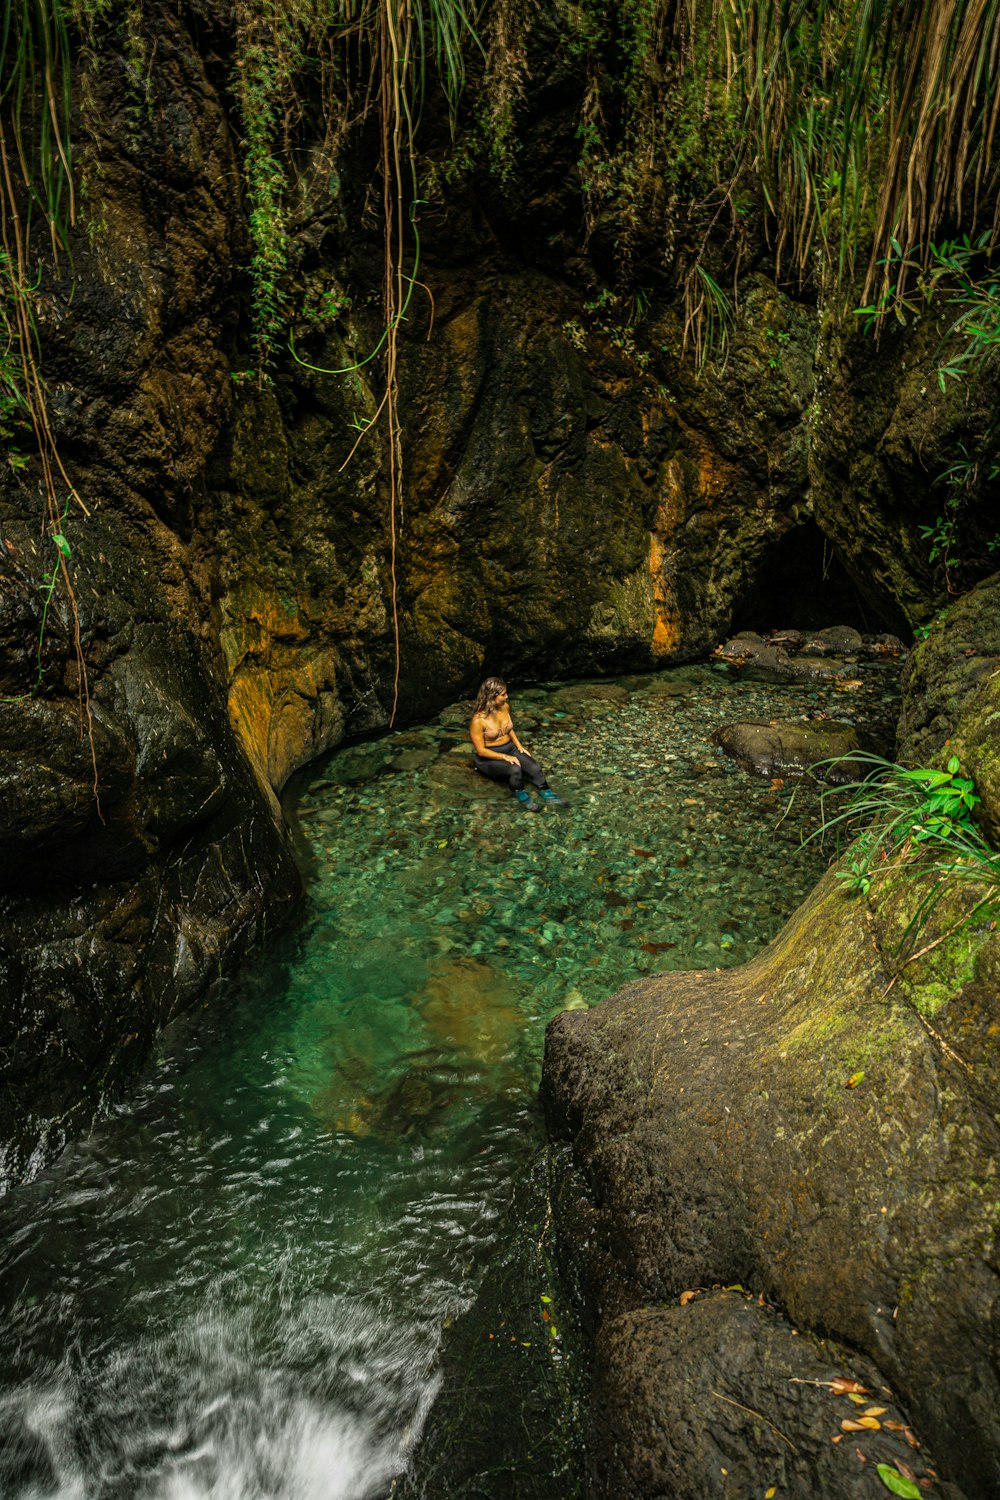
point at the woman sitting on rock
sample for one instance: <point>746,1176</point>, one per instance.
<point>500,754</point>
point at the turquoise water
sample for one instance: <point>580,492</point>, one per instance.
<point>253,1281</point>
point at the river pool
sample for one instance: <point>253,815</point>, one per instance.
<point>260,1274</point>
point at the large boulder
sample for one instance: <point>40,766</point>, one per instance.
<point>791,749</point>
<point>819,1125</point>
<point>701,1399</point>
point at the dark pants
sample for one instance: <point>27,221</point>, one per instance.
<point>513,776</point>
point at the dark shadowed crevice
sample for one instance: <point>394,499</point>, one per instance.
<point>801,584</point>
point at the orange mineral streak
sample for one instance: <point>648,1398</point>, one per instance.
<point>272,689</point>
<point>250,702</point>
<point>666,631</point>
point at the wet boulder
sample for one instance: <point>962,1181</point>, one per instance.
<point>769,661</point>
<point>835,640</point>
<point>783,749</point>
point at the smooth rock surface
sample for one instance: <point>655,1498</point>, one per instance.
<point>722,1397</point>
<point>795,1126</point>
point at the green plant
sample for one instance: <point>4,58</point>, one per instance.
<point>36,178</point>
<point>942,535</point>
<point>574,333</point>
<point>916,821</point>
<point>709,316</point>
<point>864,124</point>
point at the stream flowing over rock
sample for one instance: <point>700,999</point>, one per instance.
<point>819,1126</point>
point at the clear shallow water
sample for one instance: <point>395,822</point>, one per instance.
<point>239,1287</point>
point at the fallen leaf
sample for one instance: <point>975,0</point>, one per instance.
<point>874,1411</point>
<point>848,1426</point>
<point>854,1079</point>
<point>841,1386</point>
<point>644,853</point>
<point>770,1494</point>
<point>893,1426</point>
<point>863,1457</point>
<point>897,1482</point>
<point>905,1470</point>
<point>777,782</point>
<point>872,1423</point>
<point>853,1396</point>
<point>686,1297</point>
<point>838,1437</point>
<point>910,1438</point>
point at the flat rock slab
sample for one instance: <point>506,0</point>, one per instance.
<point>782,749</point>
<point>722,1398</point>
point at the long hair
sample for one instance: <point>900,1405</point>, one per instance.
<point>487,695</point>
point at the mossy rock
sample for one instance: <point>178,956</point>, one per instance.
<point>777,749</point>
<point>799,1126</point>
<point>952,697</point>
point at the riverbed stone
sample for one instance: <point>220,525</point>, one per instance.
<point>789,749</point>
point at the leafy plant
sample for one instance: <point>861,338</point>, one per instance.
<point>942,535</point>
<point>709,316</point>
<point>916,822</point>
<point>36,166</point>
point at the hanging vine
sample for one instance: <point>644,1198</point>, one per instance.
<point>36,178</point>
<point>401,37</point>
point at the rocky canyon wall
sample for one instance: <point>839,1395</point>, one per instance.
<point>575,499</point>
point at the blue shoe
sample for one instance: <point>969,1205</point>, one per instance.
<point>526,802</point>
<point>550,799</point>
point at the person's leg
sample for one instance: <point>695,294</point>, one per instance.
<point>536,776</point>
<point>501,770</point>
<point>511,775</point>
<point>531,769</point>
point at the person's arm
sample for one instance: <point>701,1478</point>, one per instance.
<point>517,742</point>
<point>480,746</point>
